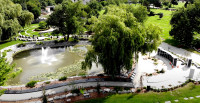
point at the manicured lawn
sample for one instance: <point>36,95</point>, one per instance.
<point>190,90</point>
<point>9,44</point>
<point>180,4</point>
<point>29,30</point>
<point>163,23</point>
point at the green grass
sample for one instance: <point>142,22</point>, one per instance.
<point>163,23</point>
<point>29,30</point>
<point>9,43</point>
<point>190,90</point>
<point>180,4</point>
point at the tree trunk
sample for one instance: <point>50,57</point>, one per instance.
<point>149,54</point>
<point>67,38</point>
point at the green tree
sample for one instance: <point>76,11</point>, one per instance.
<point>93,7</point>
<point>118,37</point>
<point>22,3</point>
<point>26,18</point>
<point>68,18</point>
<point>42,25</point>
<point>45,3</point>
<point>185,22</point>
<point>58,1</point>
<point>134,1</point>
<point>34,6</point>
<point>139,12</point>
<point>116,2</point>
<point>152,39</point>
<point>7,70</point>
<point>11,16</point>
<point>174,2</point>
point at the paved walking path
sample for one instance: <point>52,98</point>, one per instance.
<point>26,96</point>
<point>29,90</point>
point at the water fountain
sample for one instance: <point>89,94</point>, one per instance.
<point>48,60</point>
<point>47,56</point>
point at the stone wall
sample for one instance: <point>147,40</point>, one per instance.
<point>172,58</point>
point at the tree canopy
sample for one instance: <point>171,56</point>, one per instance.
<point>26,18</point>
<point>11,16</point>
<point>139,12</point>
<point>185,23</point>
<point>34,6</point>
<point>7,70</point>
<point>93,7</point>
<point>68,17</point>
<point>118,37</point>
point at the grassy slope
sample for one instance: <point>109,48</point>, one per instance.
<point>190,90</point>
<point>30,29</point>
<point>9,44</point>
<point>163,23</point>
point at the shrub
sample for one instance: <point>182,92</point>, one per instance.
<point>48,39</point>
<point>42,25</point>
<point>126,88</point>
<point>164,90</point>
<point>162,71</point>
<point>166,3</point>
<point>31,84</point>
<point>39,43</point>
<point>150,74</point>
<point>155,63</point>
<point>82,74</point>
<point>77,91</point>
<point>8,50</point>
<point>104,3</point>
<point>98,88</point>
<point>138,90</point>
<point>48,82</point>
<point>82,91</point>
<point>62,78</point>
<point>60,41</point>
<point>160,15</point>
<point>21,45</point>
<point>38,29</point>
<point>75,39</point>
<point>196,43</point>
<point>151,13</point>
<point>118,89</point>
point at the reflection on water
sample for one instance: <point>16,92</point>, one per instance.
<point>44,60</point>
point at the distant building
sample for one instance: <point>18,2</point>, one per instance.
<point>48,9</point>
<point>84,1</point>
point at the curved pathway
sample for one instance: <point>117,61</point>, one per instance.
<point>38,94</point>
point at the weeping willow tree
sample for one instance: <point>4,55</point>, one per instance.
<point>118,37</point>
<point>7,70</point>
<point>12,17</point>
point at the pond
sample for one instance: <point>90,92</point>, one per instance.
<point>38,63</point>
